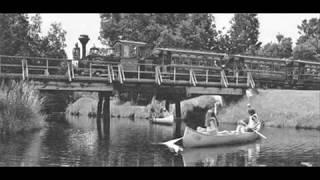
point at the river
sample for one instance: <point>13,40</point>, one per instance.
<point>132,143</point>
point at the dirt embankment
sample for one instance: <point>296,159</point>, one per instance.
<point>87,104</point>
<point>279,108</point>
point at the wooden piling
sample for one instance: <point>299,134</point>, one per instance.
<point>177,131</point>
<point>106,115</point>
<point>99,113</point>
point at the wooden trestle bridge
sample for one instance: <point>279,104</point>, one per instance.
<point>48,74</point>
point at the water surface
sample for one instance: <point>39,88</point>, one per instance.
<point>131,143</point>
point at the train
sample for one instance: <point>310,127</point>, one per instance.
<point>266,72</point>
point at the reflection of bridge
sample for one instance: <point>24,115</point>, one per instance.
<point>48,74</point>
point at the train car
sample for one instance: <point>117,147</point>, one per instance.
<point>308,74</point>
<point>179,61</point>
<point>269,72</point>
<point>131,54</point>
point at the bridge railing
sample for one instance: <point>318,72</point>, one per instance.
<point>109,72</point>
<point>25,67</point>
<point>185,74</point>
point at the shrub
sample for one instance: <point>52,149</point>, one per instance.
<point>20,106</point>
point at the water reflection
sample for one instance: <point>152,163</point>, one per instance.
<point>75,142</point>
<point>244,155</point>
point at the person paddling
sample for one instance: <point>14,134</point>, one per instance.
<point>252,122</point>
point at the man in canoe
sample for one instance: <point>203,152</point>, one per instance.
<point>249,124</point>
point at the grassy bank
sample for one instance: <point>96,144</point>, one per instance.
<point>279,108</point>
<point>20,107</point>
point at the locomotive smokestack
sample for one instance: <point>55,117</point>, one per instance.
<point>84,40</point>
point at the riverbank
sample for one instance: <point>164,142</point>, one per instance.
<point>279,108</point>
<point>20,107</point>
<point>87,106</point>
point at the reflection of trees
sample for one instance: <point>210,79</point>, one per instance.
<point>20,150</point>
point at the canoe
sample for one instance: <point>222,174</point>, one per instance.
<point>169,120</point>
<point>192,138</point>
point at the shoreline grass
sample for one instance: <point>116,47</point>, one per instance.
<point>20,106</point>
<point>279,108</point>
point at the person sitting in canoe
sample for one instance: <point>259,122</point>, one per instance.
<point>211,123</point>
<point>252,122</point>
<point>163,113</point>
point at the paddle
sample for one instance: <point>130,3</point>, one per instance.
<point>259,133</point>
<point>171,144</point>
<point>249,94</point>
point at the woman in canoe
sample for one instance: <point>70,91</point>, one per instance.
<point>252,122</point>
<point>211,123</point>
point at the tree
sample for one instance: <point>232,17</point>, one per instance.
<point>279,37</point>
<point>307,50</point>
<point>192,31</point>
<point>281,49</point>
<point>308,44</point>
<point>53,44</point>
<point>21,36</point>
<point>285,47</point>
<point>244,32</point>
<point>14,34</point>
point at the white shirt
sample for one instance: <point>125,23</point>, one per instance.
<point>253,120</point>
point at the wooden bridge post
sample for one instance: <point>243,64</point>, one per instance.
<point>106,115</point>
<point>177,130</point>
<point>174,74</point>
<point>99,113</point>
<point>23,73</point>
<point>47,68</point>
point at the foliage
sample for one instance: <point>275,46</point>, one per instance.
<point>282,49</point>
<point>21,35</point>
<point>244,33</point>
<point>20,107</point>
<point>178,30</point>
<point>307,50</point>
<point>14,34</point>
<point>308,45</point>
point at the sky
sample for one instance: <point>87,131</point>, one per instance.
<point>76,24</point>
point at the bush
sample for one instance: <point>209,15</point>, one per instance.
<point>20,106</point>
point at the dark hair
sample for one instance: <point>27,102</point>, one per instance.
<point>251,111</point>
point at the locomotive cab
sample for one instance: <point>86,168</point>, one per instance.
<point>132,53</point>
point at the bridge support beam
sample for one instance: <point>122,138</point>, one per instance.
<point>177,130</point>
<point>99,113</point>
<point>103,113</point>
<point>106,115</point>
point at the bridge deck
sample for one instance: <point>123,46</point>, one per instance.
<point>48,74</point>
